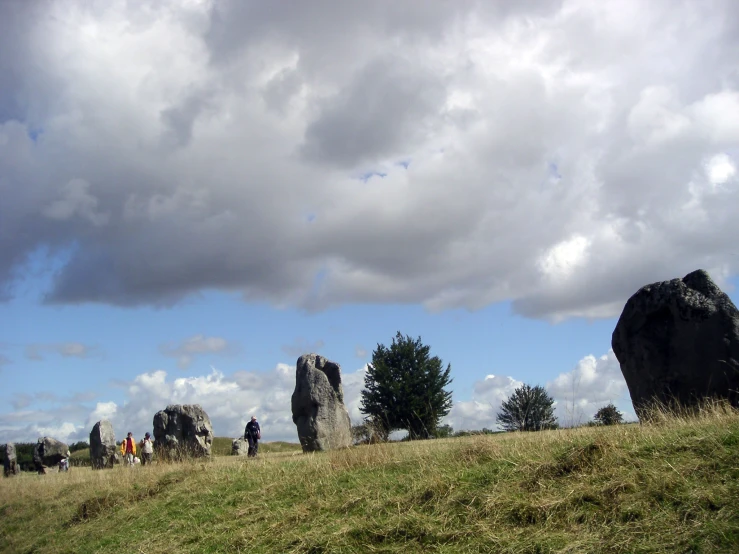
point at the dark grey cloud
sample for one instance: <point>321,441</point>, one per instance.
<point>455,154</point>
<point>389,106</point>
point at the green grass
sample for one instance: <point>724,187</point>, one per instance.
<point>670,486</point>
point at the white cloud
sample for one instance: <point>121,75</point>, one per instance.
<point>63,422</point>
<point>593,383</point>
<point>480,412</point>
<point>546,153</point>
<point>563,258</point>
<point>720,168</point>
<point>194,346</point>
<point>229,400</point>
<point>103,410</point>
<point>578,394</point>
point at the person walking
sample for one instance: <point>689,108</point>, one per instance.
<point>147,449</point>
<point>128,449</point>
<point>253,434</point>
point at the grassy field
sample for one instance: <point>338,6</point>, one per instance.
<point>671,486</point>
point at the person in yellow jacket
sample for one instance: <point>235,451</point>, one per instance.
<point>128,449</point>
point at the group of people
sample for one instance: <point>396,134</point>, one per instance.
<point>252,434</point>
<point>128,450</point>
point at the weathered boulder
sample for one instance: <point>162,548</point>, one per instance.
<point>10,460</point>
<point>182,431</point>
<point>678,342</point>
<point>318,405</point>
<point>48,452</point>
<point>103,450</point>
<point>240,447</point>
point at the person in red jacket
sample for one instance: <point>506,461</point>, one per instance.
<point>128,449</point>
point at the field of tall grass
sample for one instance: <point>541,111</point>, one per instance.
<point>669,486</point>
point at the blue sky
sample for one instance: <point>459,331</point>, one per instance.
<point>195,193</point>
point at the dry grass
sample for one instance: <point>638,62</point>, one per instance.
<point>670,486</point>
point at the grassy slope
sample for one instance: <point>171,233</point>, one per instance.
<point>660,488</point>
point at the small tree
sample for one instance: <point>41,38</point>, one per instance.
<point>369,432</point>
<point>528,409</point>
<point>608,415</point>
<point>404,388</point>
<point>444,431</point>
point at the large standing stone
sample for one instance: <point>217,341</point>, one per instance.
<point>240,447</point>
<point>182,431</point>
<point>678,342</point>
<point>48,452</point>
<point>318,405</point>
<point>103,450</point>
<point>10,461</point>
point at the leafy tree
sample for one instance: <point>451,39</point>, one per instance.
<point>608,415</point>
<point>444,432</point>
<point>369,432</point>
<point>528,409</point>
<point>404,388</point>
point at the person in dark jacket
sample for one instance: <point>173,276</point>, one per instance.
<point>252,434</point>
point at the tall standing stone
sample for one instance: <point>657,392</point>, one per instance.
<point>10,460</point>
<point>318,405</point>
<point>239,447</point>
<point>48,452</point>
<point>182,431</point>
<point>678,342</point>
<point>103,451</point>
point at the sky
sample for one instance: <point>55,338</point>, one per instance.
<point>196,192</point>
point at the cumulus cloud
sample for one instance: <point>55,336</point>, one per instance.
<point>229,400</point>
<point>487,397</point>
<point>578,394</point>
<point>38,351</point>
<point>197,345</point>
<point>550,153</point>
<point>593,383</point>
<point>62,421</point>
